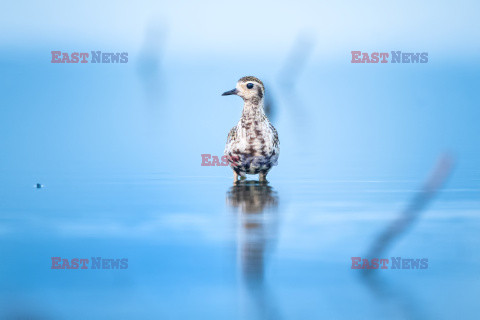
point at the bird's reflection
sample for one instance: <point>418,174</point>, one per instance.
<point>255,208</point>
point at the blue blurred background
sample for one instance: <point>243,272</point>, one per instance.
<point>118,149</point>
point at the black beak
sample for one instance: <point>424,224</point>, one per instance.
<point>234,91</point>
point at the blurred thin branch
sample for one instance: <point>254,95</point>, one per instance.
<point>415,207</point>
<point>288,77</point>
<point>296,62</point>
<point>403,302</point>
<point>149,60</point>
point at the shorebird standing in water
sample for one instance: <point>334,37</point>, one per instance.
<point>252,145</point>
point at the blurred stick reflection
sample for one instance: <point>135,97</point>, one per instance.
<point>414,208</point>
<point>401,301</point>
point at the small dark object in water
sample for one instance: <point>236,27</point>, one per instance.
<point>39,186</point>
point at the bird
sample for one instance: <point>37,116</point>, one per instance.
<point>252,145</point>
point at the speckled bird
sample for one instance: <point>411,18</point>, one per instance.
<point>252,145</point>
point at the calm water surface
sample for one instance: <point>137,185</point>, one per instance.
<point>202,248</point>
<point>119,151</point>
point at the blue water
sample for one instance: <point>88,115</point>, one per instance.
<point>117,150</point>
<point>200,248</point>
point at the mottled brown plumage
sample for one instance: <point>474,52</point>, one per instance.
<point>252,145</point>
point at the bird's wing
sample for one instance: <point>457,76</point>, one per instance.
<point>276,141</point>
<point>231,135</point>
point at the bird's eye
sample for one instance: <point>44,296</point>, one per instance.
<point>249,85</point>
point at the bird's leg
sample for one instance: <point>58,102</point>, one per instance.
<point>262,177</point>
<point>235,177</point>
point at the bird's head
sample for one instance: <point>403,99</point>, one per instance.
<point>249,88</point>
